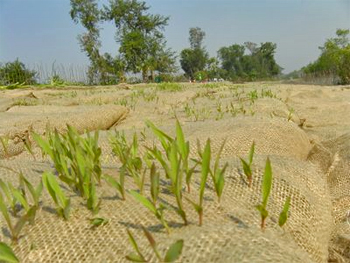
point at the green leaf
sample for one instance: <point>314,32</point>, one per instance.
<point>98,221</point>
<point>143,200</point>
<point>267,182</point>
<point>44,145</point>
<point>112,182</point>
<point>5,213</point>
<point>135,258</point>
<point>20,198</point>
<point>163,137</point>
<point>49,188</point>
<point>174,163</point>
<point>180,139</point>
<point>29,217</point>
<point>217,160</point>
<point>154,183</point>
<point>284,214</point>
<point>205,170</point>
<point>263,212</point>
<point>150,238</point>
<point>5,189</point>
<point>174,251</point>
<point>139,255</point>
<point>6,254</point>
<point>246,168</point>
<point>251,153</point>
<point>196,207</point>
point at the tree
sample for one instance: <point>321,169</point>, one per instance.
<point>88,14</point>
<point>196,37</point>
<point>194,59</point>
<point>258,63</point>
<point>265,55</point>
<point>139,34</point>
<point>16,72</point>
<point>142,43</point>
<point>231,60</point>
<point>334,59</point>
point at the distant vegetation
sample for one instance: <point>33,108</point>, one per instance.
<point>16,72</point>
<point>334,60</point>
<point>143,52</point>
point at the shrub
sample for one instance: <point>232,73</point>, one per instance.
<point>16,72</point>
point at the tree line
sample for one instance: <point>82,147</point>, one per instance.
<point>142,49</point>
<point>334,59</point>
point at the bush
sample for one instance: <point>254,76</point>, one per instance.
<point>16,72</point>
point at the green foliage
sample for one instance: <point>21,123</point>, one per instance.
<point>139,35</point>
<point>77,161</point>
<point>172,254</point>
<point>259,64</point>
<point>284,213</point>
<point>4,140</point>
<point>168,86</point>
<point>151,206</point>
<point>266,188</point>
<point>6,254</point>
<point>98,221</point>
<point>55,191</point>
<point>16,228</point>
<point>195,58</point>
<point>247,165</point>
<point>129,156</point>
<point>334,59</point>
<point>175,163</point>
<point>34,192</point>
<point>119,186</point>
<point>14,73</point>
<point>218,173</point>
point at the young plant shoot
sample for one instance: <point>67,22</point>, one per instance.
<point>247,166</point>
<point>284,213</point>
<point>151,206</point>
<point>16,228</point>
<point>6,254</point>
<point>218,174</point>
<point>266,188</point>
<point>172,254</point>
<point>55,191</point>
<point>204,175</point>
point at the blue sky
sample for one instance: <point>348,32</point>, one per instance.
<point>41,31</point>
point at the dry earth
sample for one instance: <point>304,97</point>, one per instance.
<point>305,129</point>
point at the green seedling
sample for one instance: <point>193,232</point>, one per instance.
<point>266,188</point>
<point>157,211</point>
<point>184,150</point>
<point>205,163</point>
<point>28,145</point>
<point>6,254</point>
<point>5,143</point>
<point>16,228</point>
<point>290,114</point>
<point>218,174</point>
<point>98,221</point>
<point>128,155</point>
<point>172,254</point>
<point>55,191</point>
<point>247,165</point>
<point>11,200</point>
<point>284,214</point>
<point>155,177</point>
<point>77,161</point>
<point>175,151</point>
<point>34,192</point>
<point>117,185</point>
